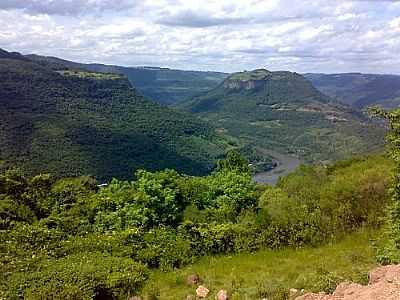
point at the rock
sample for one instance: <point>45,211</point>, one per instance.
<point>202,291</point>
<point>388,273</point>
<point>346,288</point>
<point>311,296</point>
<point>384,283</point>
<point>222,295</point>
<point>293,292</point>
<point>193,279</point>
<point>190,297</point>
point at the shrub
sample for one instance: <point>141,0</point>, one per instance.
<point>80,276</point>
<point>154,199</point>
<point>162,248</point>
<point>316,203</point>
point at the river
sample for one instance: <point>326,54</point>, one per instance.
<point>286,164</point>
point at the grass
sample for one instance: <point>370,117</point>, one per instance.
<point>271,273</point>
<point>93,75</point>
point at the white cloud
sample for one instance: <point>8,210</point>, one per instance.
<point>395,24</point>
<point>65,7</point>
<point>303,36</point>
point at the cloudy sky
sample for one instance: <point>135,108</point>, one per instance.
<point>223,35</point>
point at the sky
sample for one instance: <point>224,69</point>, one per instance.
<point>329,36</point>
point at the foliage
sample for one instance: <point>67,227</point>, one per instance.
<point>233,161</point>
<point>80,276</point>
<point>163,85</point>
<point>274,272</point>
<point>94,124</point>
<point>163,248</point>
<point>153,199</point>
<point>284,112</point>
<point>314,203</point>
<point>69,238</point>
<point>391,251</point>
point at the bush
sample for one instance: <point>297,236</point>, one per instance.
<point>80,276</point>
<point>154,199</point>
<point>162,248</point>
<point>316,203</point>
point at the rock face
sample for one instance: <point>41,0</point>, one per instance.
<point>243,84</point>
<point>247,80</point>
<point>202,291</point>
<point>384,283</point>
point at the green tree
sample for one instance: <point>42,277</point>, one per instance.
<point>153,199</point>
<point>234,161</point>
<point>393,138</point>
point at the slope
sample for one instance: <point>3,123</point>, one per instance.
<point>73,122</point>
<point>163,85</point>
<point>360,90</point>
<point>284,112</point>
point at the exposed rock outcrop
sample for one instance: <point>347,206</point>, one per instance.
<point>384,283</point>
<point>202,291</point>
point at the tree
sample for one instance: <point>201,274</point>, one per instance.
<point>393,138</point>
<point>233,161</point>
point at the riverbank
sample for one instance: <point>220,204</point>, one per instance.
<point>285,164</point>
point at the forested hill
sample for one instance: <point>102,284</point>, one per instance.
<point>284,112</point>
<point>163,85</point>
<point>71,122</point>
<point>360,90</point>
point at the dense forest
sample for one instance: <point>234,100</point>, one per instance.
<point>73,122</point>
<point>163,85</point>
<point>283,111</point>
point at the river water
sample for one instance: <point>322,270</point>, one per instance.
<point>286,164</point>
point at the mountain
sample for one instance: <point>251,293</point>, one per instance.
<point>71,122</point>
<point>163,85</point>
<point>360,90</point>
<point>283,111</point>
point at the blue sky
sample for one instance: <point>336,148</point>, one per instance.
<point>298,35</point>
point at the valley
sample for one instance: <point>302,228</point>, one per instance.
<point>199,150</point>
<point>279,112</point>
<point>75,122</point>
<point>107,194</point>
<point>282,111</point>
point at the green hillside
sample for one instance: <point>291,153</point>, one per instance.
<point>163,85</point>
<point>72,122</point>
<point>360,90</point>
<point>284,112</point>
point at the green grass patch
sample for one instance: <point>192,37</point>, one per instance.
<point>92,75</point>
<point>270,274</point>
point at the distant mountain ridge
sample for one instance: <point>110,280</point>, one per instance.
<point>283,111</point>
<point>163,85</point>
<point>70,122</point>
<point>170,87</point>
<point>360,90</point>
